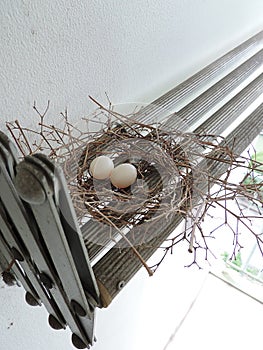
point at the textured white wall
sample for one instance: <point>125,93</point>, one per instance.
<point>135,50</point>
<point>64,50</point>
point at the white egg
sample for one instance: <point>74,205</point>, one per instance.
<point>101,167</point>
<point>123,175</point>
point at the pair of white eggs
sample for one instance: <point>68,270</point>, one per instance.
<point>122,176</point>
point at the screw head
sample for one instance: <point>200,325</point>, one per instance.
<point>28,186</point>
<point>31,300</point>
<point>8,278</point>
<point>78,343</point>
<point>46,280</point>
<point>121,284</point>
<point>16,254</point>
<point>55,323</point>
<point>78,309</point>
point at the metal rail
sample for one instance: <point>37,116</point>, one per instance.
<point>186,119</point>
<point>114,267</point>
<point>192,87</point>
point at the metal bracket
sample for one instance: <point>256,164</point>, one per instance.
<point>38,222</point>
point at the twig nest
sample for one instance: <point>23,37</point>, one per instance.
<point>124,175</point>
<point>140,152</point>
<point>101,167</point>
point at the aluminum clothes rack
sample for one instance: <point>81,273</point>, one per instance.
<point>53,258</point>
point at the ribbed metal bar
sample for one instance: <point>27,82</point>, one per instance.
<point>191,113</point>
<point>200,81</point>
<point>247,131</point>
<point>120,266</point>
<point>223,89</point>
<point>214,125</point>
<point>241,137</point>
<point>192,85</point>
<point>227,114</point>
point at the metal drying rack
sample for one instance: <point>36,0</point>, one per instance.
<point>39,232</point>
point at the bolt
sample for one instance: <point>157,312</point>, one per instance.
<point>46,280</point>
<point>78,309</point>
<point>28,185</point>
<point>8,278</point>
<point>54,323</point>
<point>16,254</point>
<point>77,342</point>
<point>121,284</point>
<point>31,300</point>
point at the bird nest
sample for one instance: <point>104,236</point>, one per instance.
<point>179,175</point>
<point>164,175</point>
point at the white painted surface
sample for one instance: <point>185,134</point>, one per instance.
<point>221,318</point>
<point>65,50</point>
<point>134,50</point>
